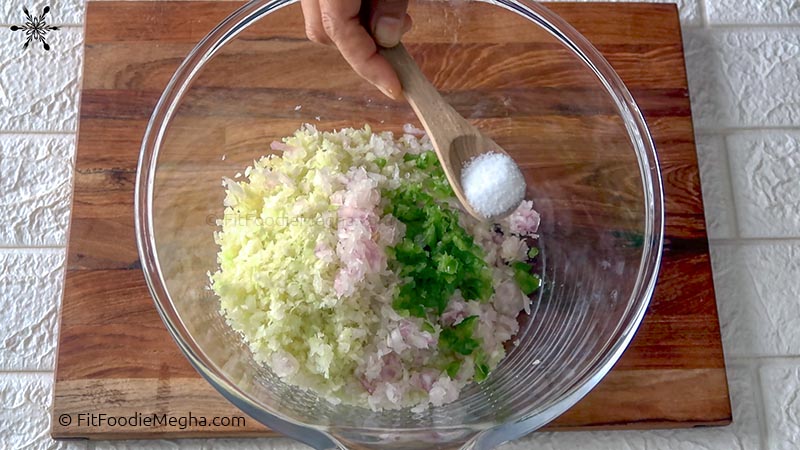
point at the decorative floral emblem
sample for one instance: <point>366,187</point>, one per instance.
<point>35,28</point>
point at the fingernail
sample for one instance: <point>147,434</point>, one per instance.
<point>388,30</point>
<point>387,92</point>
<point>407,24</point>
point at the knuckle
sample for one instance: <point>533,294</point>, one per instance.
<point>329,25</point>
<point>316,35</point>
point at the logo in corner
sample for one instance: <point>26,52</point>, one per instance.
<point>35,28</point>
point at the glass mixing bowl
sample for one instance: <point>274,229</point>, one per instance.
<point>529,81</point>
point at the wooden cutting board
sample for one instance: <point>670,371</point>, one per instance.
<point>116,358</point>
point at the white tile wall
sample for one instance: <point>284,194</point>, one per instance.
<point>40,88</point>
<point>31,282</point>
<point>62,12</point>
<point>743,60</point>
<point>25,400</point>
<point>755,12</point>
<point>765,168</point>
<point>744,77</point>
<point>758,288</point>
<point>782,405</point>
<point>36,185</point>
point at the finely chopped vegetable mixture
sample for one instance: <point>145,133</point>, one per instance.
<point>350,269</point>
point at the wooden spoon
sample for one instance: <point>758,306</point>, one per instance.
<point>455,140</point>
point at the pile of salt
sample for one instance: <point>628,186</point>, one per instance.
<point>493,184</point>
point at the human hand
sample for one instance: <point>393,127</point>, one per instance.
<point>340,22</point>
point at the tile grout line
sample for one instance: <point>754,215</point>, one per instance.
<point>761,410</point>
<point>791,360</point>
<point>755,240</point>
<point>703,10</point>
<point>742,27</point>
<point>745,27</point>
<point>734,209</point>
<point>734,212</point>
<point>37,133</point>
<point>26,372</point>
<point>747,129</point>
<point>66,26</point>
<point>7,248</point>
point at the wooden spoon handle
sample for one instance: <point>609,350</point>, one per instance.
<point>415,84</point>
<point>431,109</point>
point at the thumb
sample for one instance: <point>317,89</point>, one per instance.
<point>388,21</point>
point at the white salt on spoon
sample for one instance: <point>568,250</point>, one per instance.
<point>493,184</point>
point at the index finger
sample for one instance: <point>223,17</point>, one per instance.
<point>313,22</point>
<point>341,21</point>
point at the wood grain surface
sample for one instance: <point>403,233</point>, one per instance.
<point>115,356</point>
